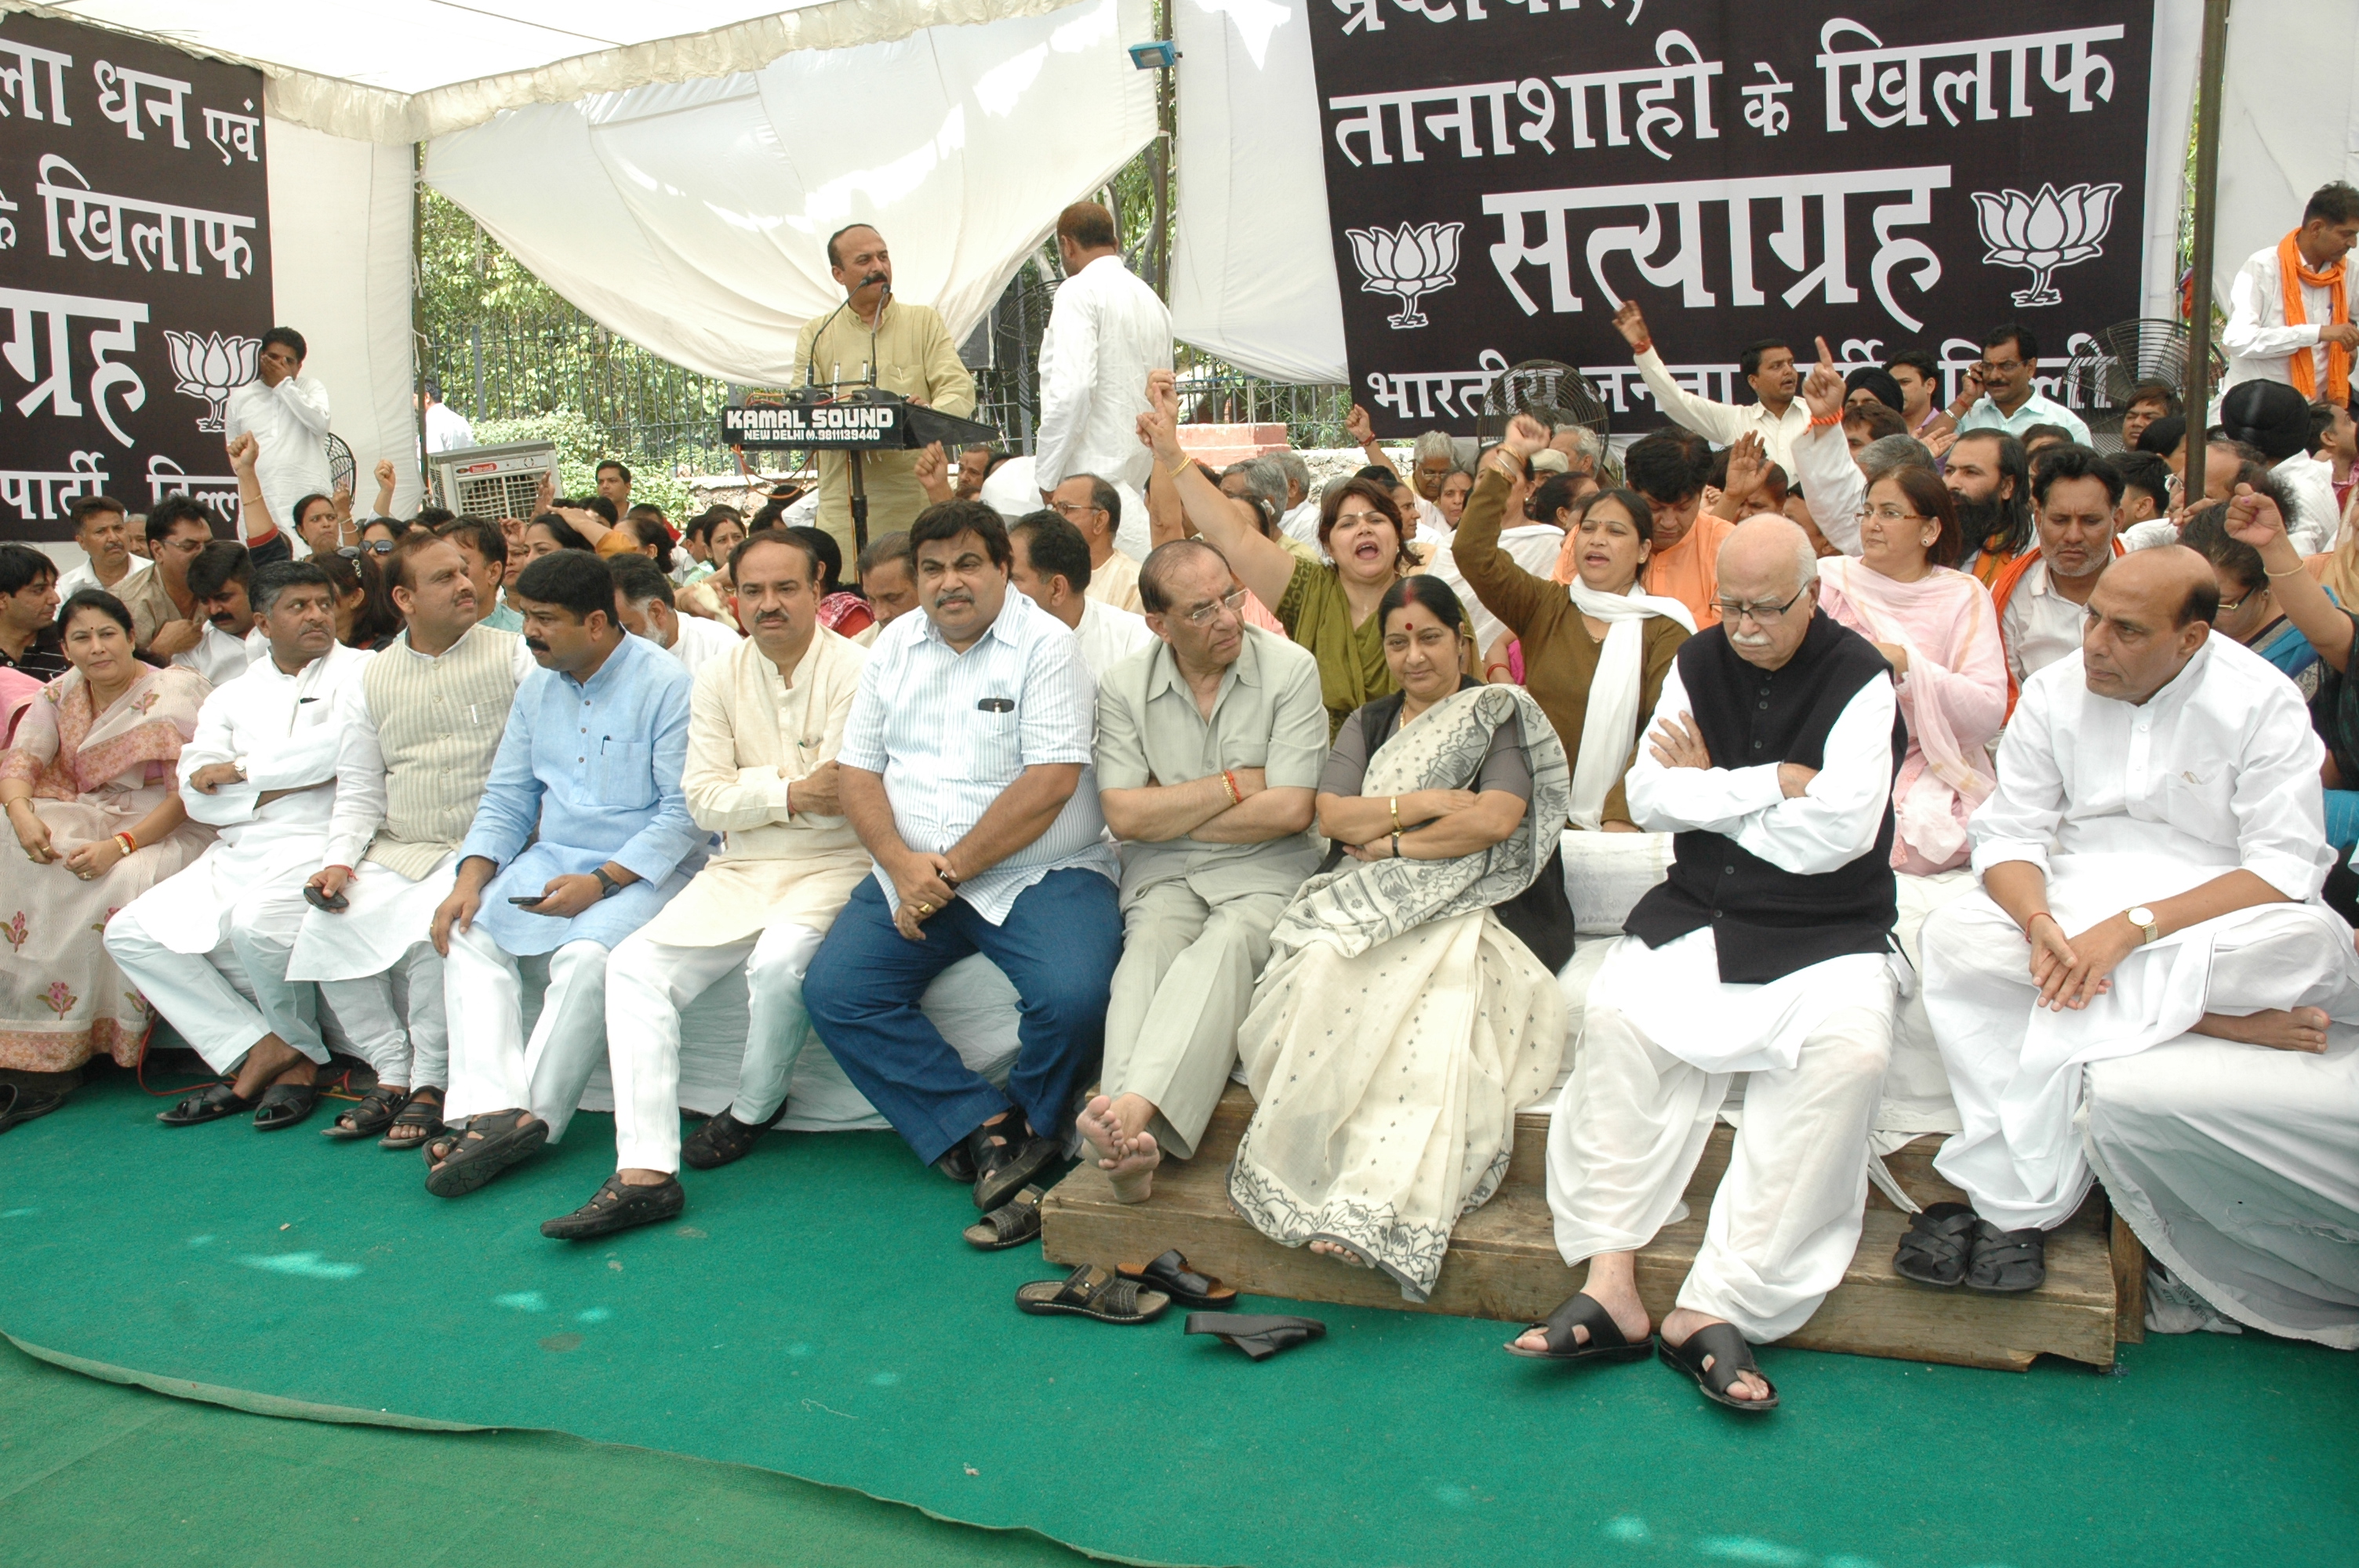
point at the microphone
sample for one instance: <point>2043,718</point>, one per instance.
<point>810,366</point>
<point>878,322</point>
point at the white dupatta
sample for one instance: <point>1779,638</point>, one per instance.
<point>1609,725</point>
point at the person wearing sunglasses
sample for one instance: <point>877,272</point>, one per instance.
<point>1209,745</point>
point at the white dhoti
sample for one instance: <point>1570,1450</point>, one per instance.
<point>649,981</point>
<point>2015,1068</point>
<point>221,982</point>
<point>1664,1036</point>
<point>492,1066</point>
<point>1916,1098</point>
<point>378,972</point>
<point>2237,1167</point>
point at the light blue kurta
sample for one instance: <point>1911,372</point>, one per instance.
<point>596,769</point>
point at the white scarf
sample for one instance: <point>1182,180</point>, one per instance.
<point>1610,723</point>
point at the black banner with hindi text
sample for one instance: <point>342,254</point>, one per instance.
<point>134,269</point>
<point>1888,174</point>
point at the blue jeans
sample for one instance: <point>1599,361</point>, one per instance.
<point>1057,946</point>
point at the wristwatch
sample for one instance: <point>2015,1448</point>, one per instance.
<point>2149,928</point>
<point>607,886</point>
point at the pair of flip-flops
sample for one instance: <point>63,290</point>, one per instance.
<point>1719,1343</point>
<point>1134,1292</point>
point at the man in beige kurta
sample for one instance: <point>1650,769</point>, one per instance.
<point>765,723</point>
<point>1209,745</point>
<point>906,349</point>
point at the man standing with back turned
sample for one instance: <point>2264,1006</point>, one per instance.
<point>902,348</point>
<point>1106,331</point>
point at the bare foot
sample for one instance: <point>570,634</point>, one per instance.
<point>271,1061</point>
<point>1340,1253</point>
<point>1128,1160</point>
<point>2300,1029</point>
<point>1749,1384</point>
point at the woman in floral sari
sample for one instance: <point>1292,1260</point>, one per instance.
<point>92,766</point>
<point>1410,1007</point>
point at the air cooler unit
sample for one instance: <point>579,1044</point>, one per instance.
<point>492,482</point>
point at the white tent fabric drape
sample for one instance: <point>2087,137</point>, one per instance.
<point>692,217</point>
<point>2291,121</point>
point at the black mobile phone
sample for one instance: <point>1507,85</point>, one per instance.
<point>528,903</point>
<point>318,900</point>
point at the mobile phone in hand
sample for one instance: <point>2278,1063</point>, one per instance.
<point>318,900</point>
<point>528,902</point>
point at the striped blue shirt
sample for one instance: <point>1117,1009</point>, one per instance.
<point>949,731</point>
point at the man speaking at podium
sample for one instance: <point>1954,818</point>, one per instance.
<point>901,348</point>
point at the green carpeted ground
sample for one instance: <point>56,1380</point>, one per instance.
<point>816,1313</point>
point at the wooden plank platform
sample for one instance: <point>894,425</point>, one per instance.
<point>1503,1260</point>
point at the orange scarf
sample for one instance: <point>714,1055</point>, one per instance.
<point>2292,272</point>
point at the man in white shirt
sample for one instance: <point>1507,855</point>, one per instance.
<point>1301,520</point>
<point>104,531</point>
<point>447,429</point>
<point>644,602</point>
<point>2151,862</point>
<point>2309,347</point>
<point>1106,331</point>
<point>222,578</point>
<point>260,770</point>
<point>1050,566</point>
<point>967,771</point>
<point>2274,418</point>
<point>287,418</point>
<point>1769,369</point>
<point>1771,756</point>
<point>2076,497</point>
<point>1998,393</point>
<point>1094,507</point>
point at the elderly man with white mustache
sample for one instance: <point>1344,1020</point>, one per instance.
<point>1771,758</point>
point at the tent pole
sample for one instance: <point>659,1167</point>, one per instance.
<point>416,309</point>
<point>2207,190</point>
<point>1158,159</point>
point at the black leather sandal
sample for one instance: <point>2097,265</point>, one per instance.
<point>418,1114</point>
<point>1012,1224</point>
<point>374,1113</point>
<point>616,1206</point>
<point>473,1157</point>
<point>210,1104</point>
<point>19,1105</point>
<point>1606,1341</point>
<point>283,1105</point>
<point>2006,1262</point>
<point>1259,1335</point>
<point>1724,1347</point>
<point>1172,1276</point>
<point>1002,1170</point>
<point>1934,1249</point>
<point>723,1139</point>
<point>1093,1291</point>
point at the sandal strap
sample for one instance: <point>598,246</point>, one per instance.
<point>1085,1284</point>
<point>1731,1355</point>
<point>1941,1237</point>
<point>1017,1215</point>
<point>1581,1311</point>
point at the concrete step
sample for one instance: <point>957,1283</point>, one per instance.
<point>1503,1264</point>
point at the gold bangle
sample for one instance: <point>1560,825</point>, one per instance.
<point>2293,571</point>
<point>1395,805</point>
<point>1178,469</point>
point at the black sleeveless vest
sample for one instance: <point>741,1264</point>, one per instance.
<point>1770,923</point>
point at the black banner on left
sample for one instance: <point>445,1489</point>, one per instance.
<point>134,270</point>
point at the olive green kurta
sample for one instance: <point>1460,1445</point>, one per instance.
<point>914,356</point>
<point>1351,668</point>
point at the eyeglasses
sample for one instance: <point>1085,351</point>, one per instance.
<point>1893,514</point>
<point>1068,510</point>
<point>2230,606</point>
<point>1760,614</point>
<point>1234,602</point>
<point>372,547</point>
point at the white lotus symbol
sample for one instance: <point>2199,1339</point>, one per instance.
<point>212,367</point>
<point>2040,234</point>
<point>1407,264</point>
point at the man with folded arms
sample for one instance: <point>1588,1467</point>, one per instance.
<point>261,770</point>
<point>582,837</point>
<point>2151,863</point>
<point>1209,745</point>
<point>765,722</point>
<point>418,732</point>
<point>1771,757</point>
<point>967,773</point>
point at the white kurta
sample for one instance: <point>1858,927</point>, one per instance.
<point>1533,547</point>
<point>699,641</point>
<point>1106,331</point>
<point>2260,345</point>
<point>2040,626</point>
<point>1722,423</point>
<point>290,425</point>
<point>222,657</point>
<point>73,579</point>
<point>1109,635</point>
<point>282,728</point>
<point>2123,805</point>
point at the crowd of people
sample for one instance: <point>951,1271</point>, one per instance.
<point>1972,754</point>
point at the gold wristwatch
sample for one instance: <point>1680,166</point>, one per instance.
<point>2149,928</point>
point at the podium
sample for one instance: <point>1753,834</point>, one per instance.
<point>866,419</point>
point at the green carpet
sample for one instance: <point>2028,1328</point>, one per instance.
<point>102,1477</point>
<point>817,1315</point>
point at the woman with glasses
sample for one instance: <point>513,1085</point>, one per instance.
<point>1327,607</point>
<point>1593,650</point>
<point>1410,1005</point>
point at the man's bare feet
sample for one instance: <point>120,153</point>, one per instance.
<point>2279,1029</point>
<point>1129,1159</point>
<point>1681,1322</point>
<point>272,1061</point>
<point>1340,1253</point>
<point>1612,1284</point>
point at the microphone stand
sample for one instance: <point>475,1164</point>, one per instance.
<point>859,497</point>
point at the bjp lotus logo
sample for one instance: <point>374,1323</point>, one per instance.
<point>1408,264</point>
<point>212,367</point>
<point>2041,234</point>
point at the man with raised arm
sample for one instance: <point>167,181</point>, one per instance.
<point>1209,744</point>
<point>2151,863</point>
<point>287,418</point>
<point>1767,366</point>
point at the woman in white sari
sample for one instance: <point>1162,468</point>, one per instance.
<point>89,786</point>
<point>1410,1005</point>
